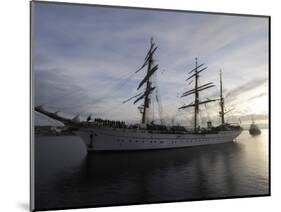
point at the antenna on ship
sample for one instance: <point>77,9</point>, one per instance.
<point>151,69</point>
<point>197,88</point>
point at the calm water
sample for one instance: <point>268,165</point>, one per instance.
<point>66,176</point>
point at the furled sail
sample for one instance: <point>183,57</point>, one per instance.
<point>145,63</point>
<point>132,97</point>
<point>147,92</point>
<point>199,103</point>
<point>196,73</point>
<point>195,68</point>
<point>200,88</point>
<point>148,57</point>
<point>148,75</point>
<point>150,53</point>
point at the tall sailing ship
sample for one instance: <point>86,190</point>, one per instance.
<point>105,135</point>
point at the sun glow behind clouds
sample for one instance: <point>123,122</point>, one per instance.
<point>254,101</point>
<point>258,105</point>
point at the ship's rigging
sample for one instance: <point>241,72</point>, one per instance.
<point>222,112</point>
<point>103,134</point>
<point>147,81</point>
<point>150,87</point>
<point>196,90</point>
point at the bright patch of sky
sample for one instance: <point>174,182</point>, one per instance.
<point>84,58</point>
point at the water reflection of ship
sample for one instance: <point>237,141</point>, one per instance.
<point>152,176</point>
<point>254,129</point>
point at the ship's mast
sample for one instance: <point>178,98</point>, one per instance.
<point>148,86</point>
<point>221,100</point>
<point>196,106</point>
<point>151,69</point>
<point>197,88</point>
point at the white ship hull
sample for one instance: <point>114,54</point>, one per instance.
<point>115,139</point>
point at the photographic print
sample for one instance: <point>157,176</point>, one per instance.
<point>136,105</point>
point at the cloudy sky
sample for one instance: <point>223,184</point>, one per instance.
<point>84,59</point>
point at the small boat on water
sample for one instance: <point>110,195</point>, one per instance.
<point>254,129</point>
